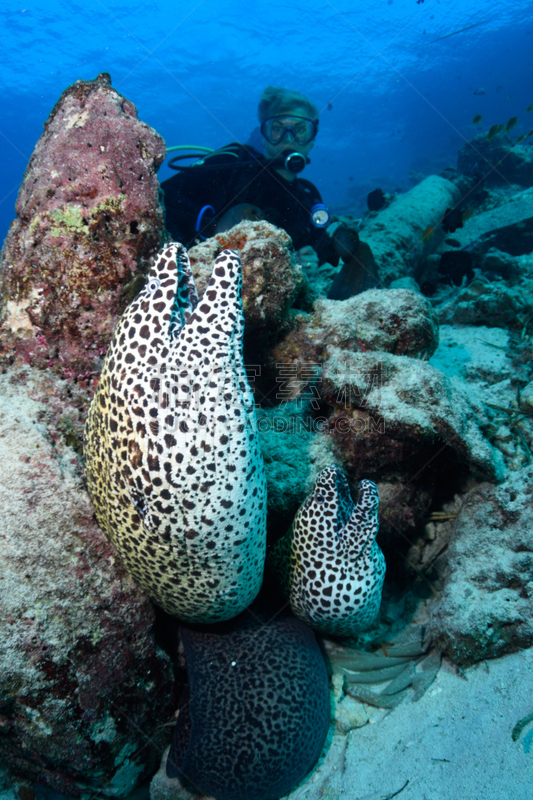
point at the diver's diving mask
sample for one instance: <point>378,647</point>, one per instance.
<point>303,130</point>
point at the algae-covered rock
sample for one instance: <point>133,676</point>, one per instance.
<point>88,222</point>
<point>82,682</point>
<point>486,609</point>
<point>295,449</point>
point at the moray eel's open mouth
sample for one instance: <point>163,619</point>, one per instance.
<point>344,500</point>
<point>331,485</point>
<point>185,297</point>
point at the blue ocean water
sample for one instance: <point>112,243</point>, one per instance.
<point>397,82</point>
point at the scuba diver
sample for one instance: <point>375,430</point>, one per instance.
<point>238,182</point>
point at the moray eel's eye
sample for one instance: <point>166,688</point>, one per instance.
<point>153,285</point>
<point>319,497</point>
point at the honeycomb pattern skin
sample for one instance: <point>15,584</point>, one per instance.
<point>174,466</point>
<point>329,563</point>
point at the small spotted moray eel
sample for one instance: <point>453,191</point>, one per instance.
<point>329,563</point>
<point>174,466</point>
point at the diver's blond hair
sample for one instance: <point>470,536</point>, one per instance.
<point>275,101</point>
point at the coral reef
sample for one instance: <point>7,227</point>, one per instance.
<point>483,365</point>
<point>81,680</point>
<point>486,609</point>
<point>485,302</point>
<point>88,222</point>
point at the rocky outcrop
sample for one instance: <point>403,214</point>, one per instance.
<point>486,609</point>
<point>496,263</point>
<point>88,222</point>
<point>83,687</point>
<point>398,321</point>
<point>499,161</point>
<point>487,303</point>
<point>393,417</point>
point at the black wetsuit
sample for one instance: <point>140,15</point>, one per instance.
<point>225,180</point>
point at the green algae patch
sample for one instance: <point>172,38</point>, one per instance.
<point>70,219</point>
<point>77,219</point>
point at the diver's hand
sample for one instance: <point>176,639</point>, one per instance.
<point>307,257</point>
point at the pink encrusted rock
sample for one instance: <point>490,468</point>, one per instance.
<point>88,223</point>
<point>84,689</point>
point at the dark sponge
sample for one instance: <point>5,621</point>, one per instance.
<point>258,708</point>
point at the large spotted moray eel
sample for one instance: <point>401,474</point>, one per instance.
<point>173,462</point>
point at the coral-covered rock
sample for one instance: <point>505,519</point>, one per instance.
<point>486,609</point>
<point>483,366</point>
<point>398,321</point>
<point>396,234</point>
<point>495,262</point>
<point>393,417</point>
<point>526,398</point>
<point>497,161</point>
<point>83,686</point>
<point>272,280</point>
<point>88,222</point>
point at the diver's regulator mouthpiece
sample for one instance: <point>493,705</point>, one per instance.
<point>293,162</point>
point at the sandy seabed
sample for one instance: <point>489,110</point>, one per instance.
<point>455,743</point>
